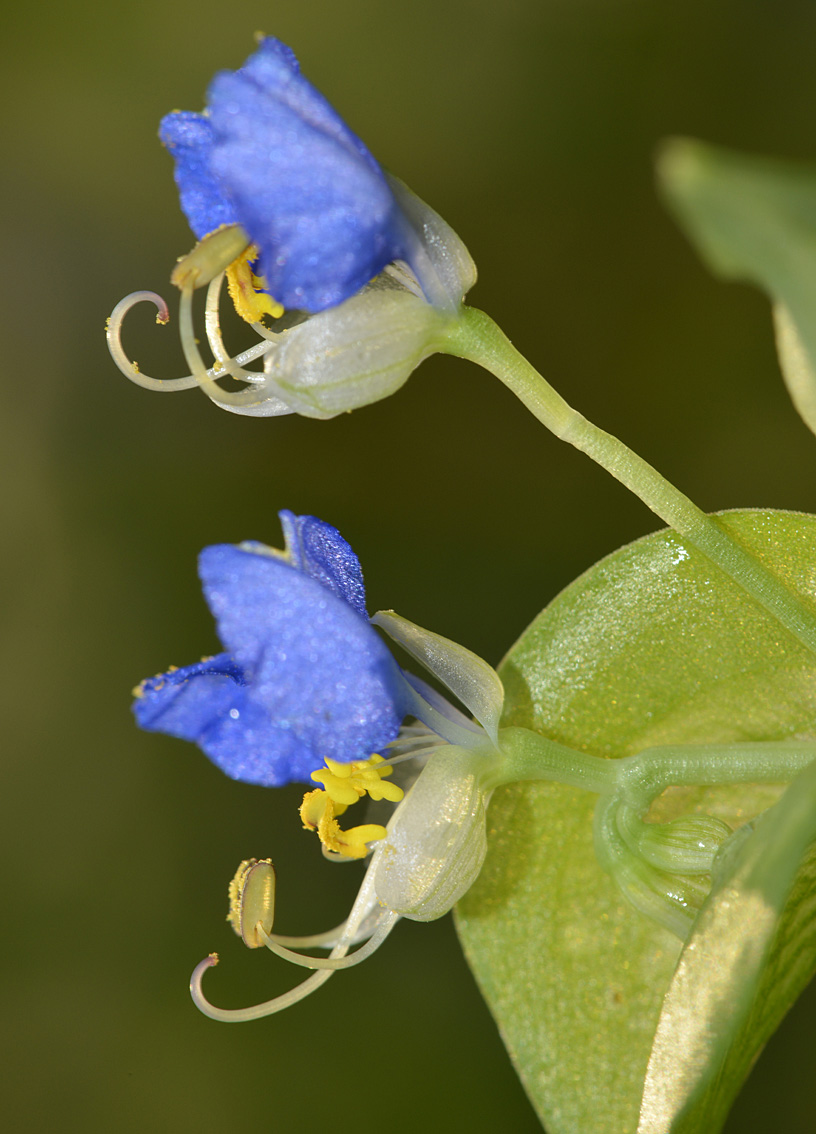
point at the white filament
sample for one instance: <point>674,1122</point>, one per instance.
<point>233,366</point>
<point>358,924</point>
<point>216,341</point>
<point>387,922</point>
<point>205,378</point>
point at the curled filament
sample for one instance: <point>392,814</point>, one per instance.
<point>200,374</point>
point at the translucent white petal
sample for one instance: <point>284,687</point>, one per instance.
<point>465,674</point>
<point>440,260</point>
<point>436,841</point>
<point>356,353</point>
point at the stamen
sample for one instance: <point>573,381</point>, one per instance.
<point>326,940</point>
<point>384,927</point>
<point>412,739</point>
<point>357,921</point>
<point>203,377</point>
<point>318,813</point>
<point>167,385</point>
<point>343,786</point>
<point>128,367</point>
<point>346,783</point>
<point>264,332</point>
<point>366,925</point>
<point>414,753</point>
<point>252,906</point>
<point>252,901</point>
<point>248,291</point>
<point>256,1011</point>
<point>213,254</point>
<point>417,729</point>
<point>213,326</point>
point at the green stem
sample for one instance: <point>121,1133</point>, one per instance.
<point>476,337</point>
<point>641,778</point>
<point>527,755</point>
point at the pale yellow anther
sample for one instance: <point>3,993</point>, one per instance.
<point>211,255</point>
<point>252,900</point>
<point>246,289</point>
<point>346,783</point>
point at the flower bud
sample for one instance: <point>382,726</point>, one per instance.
<point>437,840</point>
<point>350,355</point>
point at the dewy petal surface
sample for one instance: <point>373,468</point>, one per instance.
<point>304,187</point>
<point>318,549</point>
<point>318,669</point>
<point>305,675</point>
<point>210,704</point>
<point>187,702</point>
<point>204,200</point>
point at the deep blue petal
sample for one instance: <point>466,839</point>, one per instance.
<point>274,156</point>
<point>317,667</point>
<point>204,199</point>
<point>250,747</point>
<point>319,550</point>
<point>305,677</point>
<point>210,704</point>
<point>306,189</point>
<point>186,702</point>
<point>275,70</point>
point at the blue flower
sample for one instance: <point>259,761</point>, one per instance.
<point>304,677</point>
<point>272,155</point>
<point>361,278</point>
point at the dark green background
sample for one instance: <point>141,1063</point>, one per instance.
<point>531,126</point>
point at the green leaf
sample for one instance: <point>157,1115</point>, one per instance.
<point>755,219</point>
<point>750,955</point>
<point>651,646</point>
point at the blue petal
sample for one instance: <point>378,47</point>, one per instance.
<point>319,550</point>
<point>186,702</point>
<point>250,747</point>
<point>206,204</point>
<point>210,704</point>
<point>316,667</point>
<point>306,189</point>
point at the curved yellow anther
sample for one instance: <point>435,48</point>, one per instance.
<point>318,813</point>
<point>251,303</point>
<point>346,783</point>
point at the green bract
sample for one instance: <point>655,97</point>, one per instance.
<point>652,646</point>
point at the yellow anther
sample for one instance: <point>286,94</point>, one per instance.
<point>346,783</point>
<point>318,813</point>
<point>213,254</point>
<point>251,303</point>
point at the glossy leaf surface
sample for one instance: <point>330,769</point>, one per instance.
<point>651,646</point>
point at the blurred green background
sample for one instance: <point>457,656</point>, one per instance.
<point>531,126</point>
